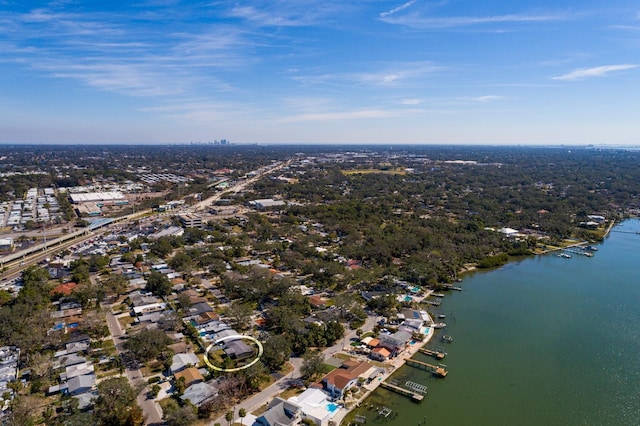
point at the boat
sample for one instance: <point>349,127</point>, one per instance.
<point>447,338</point>
<point>592,248</point>
<point>442,316</point>
<point>439,325</point>
<point>565,255</point>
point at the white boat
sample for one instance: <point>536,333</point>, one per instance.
<point>439,325</point>
<point>565,255</point>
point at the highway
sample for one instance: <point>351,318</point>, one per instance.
<point>13,265</point>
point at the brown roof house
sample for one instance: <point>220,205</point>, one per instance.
<point>191,375</point>
<point>317,302</point>
<point>342,379</point>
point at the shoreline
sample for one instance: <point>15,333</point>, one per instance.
<point>394,365</point>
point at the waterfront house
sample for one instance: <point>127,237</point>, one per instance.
<point>395,342</point>
<point>342,379</point>
<point>380,354</point>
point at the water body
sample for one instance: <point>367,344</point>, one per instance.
<point>544,341</point>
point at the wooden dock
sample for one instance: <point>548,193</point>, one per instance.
<point>402,391</point>
<point>435,354</point>
<point>436,370</point>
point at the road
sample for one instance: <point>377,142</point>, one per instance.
<point>266,395</point>
<point>239,186</point>
<point>368,325</point>
<point>260,399</point>
<point>151,410</point>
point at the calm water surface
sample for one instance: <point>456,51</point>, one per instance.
<point>545,341</point>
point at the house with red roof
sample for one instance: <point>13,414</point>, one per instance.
<point>64,289</point>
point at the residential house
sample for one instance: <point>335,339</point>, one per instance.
<point>237,349</point>
<point>342,379</point>
<point>280,413</point>
<point>81,384</point>
<point>191,376</point>
<point>395,342</point>
<point>199,393</point>
<point>380,354</point>
<point>314,406</point>
<point>182,361</point>
<point>317,302</point>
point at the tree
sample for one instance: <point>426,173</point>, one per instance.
<point>155,390</point>
<point>80,271</point>
<point>115,284</point>
<point>175,415</point>
<point>184,301</point>
<point>277,351</point>
<point>312,364</point>
<point>116,403</point>
<point>158,284</point>
<point>240,315</point>
<point>181,262</point>
<point>229,416</point>
<point>242,413</point>
<point>147,344</point>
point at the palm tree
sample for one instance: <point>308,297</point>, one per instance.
<point>229,417</point>
<point>242,412</point>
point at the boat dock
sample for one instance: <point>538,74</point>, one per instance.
<point>435,354</point>
<point>439,370</point>
<point>452,287</point>
<point>434,302</point>
<point>415,396</point>
<point>580,252</point>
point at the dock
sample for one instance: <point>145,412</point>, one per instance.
<point>415,396</point>
<point>452,287</point>
<point>439,370</point>
<point>579,252</point>
<point>434,302</point>
<point>435,354</point>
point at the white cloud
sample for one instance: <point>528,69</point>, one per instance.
<point>391,75</point>
<point>601,71</point>
<point>397,9</point>
<point>419,21</point>
<point>343,115</point>
<point>487,98</point>
<point>411,101</point>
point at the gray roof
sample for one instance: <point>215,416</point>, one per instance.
<point>81,384</point>
<point>280,413</point>
<point>180,361</point>
<point>237,349</point>
<point>200,392</point>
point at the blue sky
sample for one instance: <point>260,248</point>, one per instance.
<point>330,71</point>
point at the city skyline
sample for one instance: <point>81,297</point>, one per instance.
<point>439,72</point>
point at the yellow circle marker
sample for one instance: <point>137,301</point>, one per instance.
<point>233,337</point>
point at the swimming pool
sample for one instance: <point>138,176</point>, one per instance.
<point>408,298</point>
<point>332,408</point>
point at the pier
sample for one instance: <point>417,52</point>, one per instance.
<point>434,302</point>
<point>452,287</point>
<point>435,354</point>
<point>416,387</point>
<point>402,391</point>
<point>580,252</point>
<point>439,370</point>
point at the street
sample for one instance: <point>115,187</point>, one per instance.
<point>266,395</point>
<point>151,410</point>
